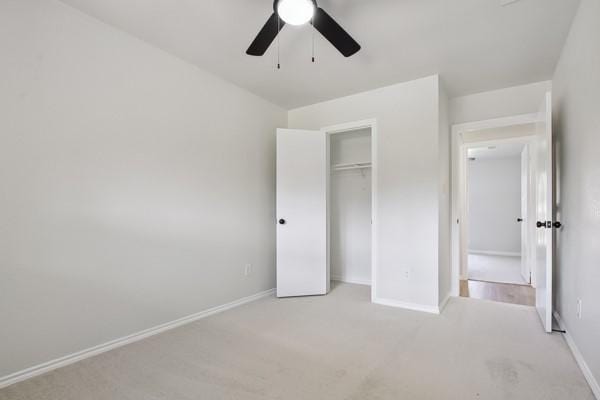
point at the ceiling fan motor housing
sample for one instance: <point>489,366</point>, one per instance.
<point>276,2</point>
<point>320,20</point>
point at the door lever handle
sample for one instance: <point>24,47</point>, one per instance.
<point>519,219</point>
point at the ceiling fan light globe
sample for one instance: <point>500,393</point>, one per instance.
<point>296,12</point>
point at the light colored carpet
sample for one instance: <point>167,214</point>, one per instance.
<point>502,269</point>
<point>338,346</point>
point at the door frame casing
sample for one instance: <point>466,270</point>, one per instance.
<point>340,129</point>
<point>527,185</point>
<point>459,231</point>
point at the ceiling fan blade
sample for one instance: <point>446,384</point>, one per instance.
<point>265,37</point>
<point>333,32</point>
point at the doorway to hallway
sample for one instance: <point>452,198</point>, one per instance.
<point>497,204</point>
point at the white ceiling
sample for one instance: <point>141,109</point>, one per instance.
<point>508,150</point>
<point>476,45</point>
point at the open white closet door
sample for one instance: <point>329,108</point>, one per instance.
<point>544,214</point>
<point>302,260</point>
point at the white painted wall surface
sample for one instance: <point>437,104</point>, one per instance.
<point>494,205</point>
<point>134,187</point>
<point>445,238</point>
<point>351,147</point>
<point>576,93</point>
<point>516,100</point>
<point>350,208</point>
<point>407,206</point>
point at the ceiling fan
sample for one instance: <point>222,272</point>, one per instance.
<point>299,12</point>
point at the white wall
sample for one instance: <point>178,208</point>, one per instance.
<point>407,204</point>
<point>350,229</point>
<point>445,213</point>
<point>134,187</point>
<point>516,100</point>
<point>494,205</point>
<point>351,147</point>
<point>576,91</point>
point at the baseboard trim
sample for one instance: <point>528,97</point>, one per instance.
<point>444,302</point>
<point>406,305</point>
<point>494,253</point>
<point>113,344</point>
<point>587,373</point>
<point>344,279</point>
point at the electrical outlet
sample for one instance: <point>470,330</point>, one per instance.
<point>247,269</point>
<point>579,309</point>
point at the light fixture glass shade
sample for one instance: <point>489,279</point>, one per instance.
<point>295,12</point>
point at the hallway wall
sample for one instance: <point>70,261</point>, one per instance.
<point>494,205</point>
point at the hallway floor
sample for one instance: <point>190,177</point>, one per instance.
<point>501,292</point>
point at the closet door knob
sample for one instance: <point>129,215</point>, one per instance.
<point>282,221</point>
<point>540,224</point>
<point>557,224</point>
<point>519,219</point>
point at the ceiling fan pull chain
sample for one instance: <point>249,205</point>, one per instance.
<point>278,28</point>
<point>313,39</point>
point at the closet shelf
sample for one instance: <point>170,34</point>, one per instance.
<point>343,167</point>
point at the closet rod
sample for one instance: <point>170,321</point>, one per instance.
<point>343,167</point>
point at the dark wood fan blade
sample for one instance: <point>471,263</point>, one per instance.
<point>265,37</point>
<point>333,32</point>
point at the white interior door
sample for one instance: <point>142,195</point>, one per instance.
<point>524,220</point>
<point>302,257</point>
<point>544,214</point>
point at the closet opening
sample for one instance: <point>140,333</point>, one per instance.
<point>350,205</point>
<point>326,189</point>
